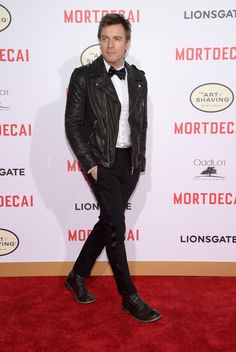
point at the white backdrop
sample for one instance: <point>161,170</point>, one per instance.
<point>173,42</point>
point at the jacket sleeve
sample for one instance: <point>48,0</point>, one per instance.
<point>75,120</point>
<point>143,134</point>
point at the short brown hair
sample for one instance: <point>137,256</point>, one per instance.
<point>115,18</point>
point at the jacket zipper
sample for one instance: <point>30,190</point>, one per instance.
<point>94,125</point>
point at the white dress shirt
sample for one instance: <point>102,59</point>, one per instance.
<point>121,87</point>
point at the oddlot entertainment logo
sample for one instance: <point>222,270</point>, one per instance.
<point>208,169</point>
<point>4,93</point>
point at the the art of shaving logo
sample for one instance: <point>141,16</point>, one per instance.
<point>212,97</point>
<point>9,242</point>
<point>209,170</point>
<point>5,18</point>
<point>4,94</point>
<point>90,54</point>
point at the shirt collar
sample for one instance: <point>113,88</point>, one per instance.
<point>107,65</point>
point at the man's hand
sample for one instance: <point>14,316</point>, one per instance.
<point>94,172</point>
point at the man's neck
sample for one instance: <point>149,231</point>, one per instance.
<point>117,67</point>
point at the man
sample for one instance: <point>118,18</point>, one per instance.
<point>106,122</point>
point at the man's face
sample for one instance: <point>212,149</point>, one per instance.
<point>113,44</point>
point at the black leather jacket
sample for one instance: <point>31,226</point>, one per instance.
<point>93,111</point>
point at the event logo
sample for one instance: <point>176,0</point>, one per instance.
<point>3,94</point>
<point>16,201</point>
<point>82,235</point>
<point>73,166</point>
<point>8,242</point>
<point>90,54</point>
<point>12,172</point>
<point>209,14</point>
<point>206,54</point>
<point>211,97</point>
<point>205,127</point>
<point>94,16</point>
<point>210,172</point>
<point>204,198</point>
<point>5,18</point>
<point>15,130</point>
<point>14,55</point>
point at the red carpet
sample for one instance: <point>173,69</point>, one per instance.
<point>39,315</point>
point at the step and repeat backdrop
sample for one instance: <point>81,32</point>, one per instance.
<point>185,204</point>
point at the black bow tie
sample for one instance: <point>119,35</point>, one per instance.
<point>120,73</point>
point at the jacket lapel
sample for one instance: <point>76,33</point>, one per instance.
<point>102,80</point>
<point>104,83</point>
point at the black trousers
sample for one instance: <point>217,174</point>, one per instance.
<point>112,190</point>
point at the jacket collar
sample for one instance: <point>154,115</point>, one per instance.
<point>135,83</point>
<point>103,81</point>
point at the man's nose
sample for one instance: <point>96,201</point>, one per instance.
<point>110,43</point>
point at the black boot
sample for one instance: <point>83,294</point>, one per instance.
<point>77,283</point>
<point>140,310</point>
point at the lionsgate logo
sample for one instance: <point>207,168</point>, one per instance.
<point>207,239</point>
<point>14,171</point>
<point>4,94</point>
<point>87,206</point>
<point>209,14</point>
<point>209,169</point>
